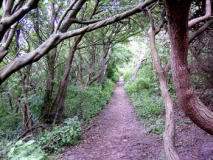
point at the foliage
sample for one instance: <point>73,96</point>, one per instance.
<point>10,125</point>
<point>158,127</point>
<point>49,141</point>
<point>61,136</point>
<point>87,103</point>
<point>145,97</point>
<point>26,150</point>
<point>115,77</point>
<point>127,74</point>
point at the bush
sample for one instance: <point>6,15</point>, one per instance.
<point>148,106</point>
<point>127,75</point>
<point>87,103</point>
<point>158,127</point>
<point>61,136</point>
<point>145,96</point>
<point>115,77</point>
<point>47,142</point>
<point>26,151</point>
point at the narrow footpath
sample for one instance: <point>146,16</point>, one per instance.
<point>116,135</point>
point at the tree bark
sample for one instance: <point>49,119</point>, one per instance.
<point>49,86</point>
<point>202,18</point>
<point>58,105</point>
<point>177,13</point>
<point>9,18</point>
<point>169,133</point>
<point>134,74</point>
<point>26,113</point>
<point>106,50</point>
<point>105,63</point>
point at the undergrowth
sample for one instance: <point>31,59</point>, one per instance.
<point>80,106</point>
<point>146,98</point>
<point>51,140</point>
<point>87,103</point>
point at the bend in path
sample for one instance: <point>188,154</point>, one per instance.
<point>116,135</point>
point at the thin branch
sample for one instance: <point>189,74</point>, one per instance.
<point>86,22</point>
<point>139,24</point>
<point>203,18</point>
<point>63,16</point>
<point>200,31</point>
<point>151,19</point>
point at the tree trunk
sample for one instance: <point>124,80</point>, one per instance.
<point>178,12</point>
<point>49,86</point>
<point>51,59</point>
<point>26,113</point>
<point>106,52</point>
<point>103,75</point>
<point>134,74</point>
<point>58,105</point>
<point>169,133</point>
<point>105,63</point>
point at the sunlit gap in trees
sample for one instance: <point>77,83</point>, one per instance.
<point>137,48</point>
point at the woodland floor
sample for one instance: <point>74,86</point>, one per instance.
<point>116,134</point>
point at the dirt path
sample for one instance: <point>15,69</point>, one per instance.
<point>116,135</point>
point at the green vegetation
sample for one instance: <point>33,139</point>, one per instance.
<point>81,105</point>
<point>49,141</point>
<point>61,136</point>
<point>87,103</point>
<point>25,150</point>
<point>145,96</point>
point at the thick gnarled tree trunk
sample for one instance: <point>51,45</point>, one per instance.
<point>178,12</point>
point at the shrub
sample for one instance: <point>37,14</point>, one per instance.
<point>115,77</point>
<point>87,103</point>
<point>127,75</point>
<point>158,127</point>
<point>61,136</point>
<point>145,97</point>
<point>26,151</point>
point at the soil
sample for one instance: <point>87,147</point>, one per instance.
<point>116,134</point>
<point>192,143</point>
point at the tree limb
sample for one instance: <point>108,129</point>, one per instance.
<point>203,18</point>
<point>8,20</point>
<point>199,31</point>
<point>55,39</point>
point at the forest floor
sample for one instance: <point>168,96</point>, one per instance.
<point>116,134</point>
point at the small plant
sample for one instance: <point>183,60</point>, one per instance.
<point>145,97</point>
<point>87,103</point>
<point>61,136</point>
<point>26,151</point>
<point>157,128</point>
<point>115,77</point>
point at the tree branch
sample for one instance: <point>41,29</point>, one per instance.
<point>86,22</point>
<point>203,18</point>
<point>63,16</point>
<point>8,20</point>
<point>55,39</point>
<point>200,31</point>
